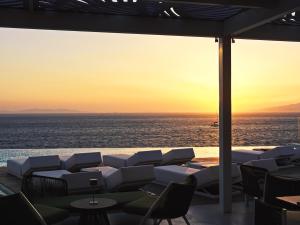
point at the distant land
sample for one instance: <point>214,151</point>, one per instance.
<point>292,108</point>
<point>39,111</point>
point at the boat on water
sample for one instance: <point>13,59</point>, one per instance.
<point>214,124</point>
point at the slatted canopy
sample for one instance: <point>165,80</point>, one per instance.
<point>253,19</point>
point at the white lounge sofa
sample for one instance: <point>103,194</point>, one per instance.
<point>77,182</point>
<point>206,177</point>
<point>81,160</point>
<point>242,156</point>
<point>153,157</point>
<point>178,156</point>
<point>21,167</point>
<point>125,178</point>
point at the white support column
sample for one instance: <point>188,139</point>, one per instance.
<point>225,123</point>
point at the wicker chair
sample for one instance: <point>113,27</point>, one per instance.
<point>35,187</point>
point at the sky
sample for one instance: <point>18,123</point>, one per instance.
<point>122,73</point>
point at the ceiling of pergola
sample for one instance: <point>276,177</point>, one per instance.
<point>238,18</point>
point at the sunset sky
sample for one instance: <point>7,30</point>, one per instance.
<point>100,72</point>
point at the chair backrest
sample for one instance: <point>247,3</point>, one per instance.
<point>268,164</point>
<point>253,180</point>
<point>17,210</point>
<point>276,186</point>
<point>175,200</point>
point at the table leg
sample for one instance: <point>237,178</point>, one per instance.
<point>104,218</point>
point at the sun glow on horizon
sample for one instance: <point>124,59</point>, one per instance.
<point>101,72</point>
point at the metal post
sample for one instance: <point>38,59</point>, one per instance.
<point>225,123</point>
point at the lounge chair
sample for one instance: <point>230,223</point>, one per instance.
<point>178,156</point>
<point>207,179</point>
<point>21,167</point>
<point>153,157</point>
<point>174,202</point>
<point>242,156</point>
<point>76,182</point>
<point>125,178</point>
<point>81,160</point>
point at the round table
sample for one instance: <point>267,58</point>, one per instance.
<point>93,214</point>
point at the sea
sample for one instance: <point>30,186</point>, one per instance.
<point>43,134</point>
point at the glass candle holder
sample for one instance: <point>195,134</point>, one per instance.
<point>93,183</point>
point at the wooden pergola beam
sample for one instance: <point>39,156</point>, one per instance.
<point>238,3</point>
<point>254,18</point>
<point>14,18</point>
<point>272,32</point>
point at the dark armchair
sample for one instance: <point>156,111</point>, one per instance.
<point>281,186</point>
<point>174,202</point>
<point>253,181</point>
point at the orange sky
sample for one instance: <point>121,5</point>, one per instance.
<point>100,72</point>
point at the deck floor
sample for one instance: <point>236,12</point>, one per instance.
<point>203,211</point>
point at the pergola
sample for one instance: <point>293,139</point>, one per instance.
<point>223,19</point>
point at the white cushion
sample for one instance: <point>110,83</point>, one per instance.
<point>40,163</point>
<point>181,155</point>
<point>173,173</point>
<point>14,167</point>
<point>242,156</point>
<point>82,160</point>
<point>269,164</point>
<point>117,161</point>
<point>81,180</point>
<point>145,158</point>
<point>113,178</point>
<point>139,158</point>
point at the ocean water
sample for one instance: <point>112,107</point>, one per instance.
<point>22,135</point>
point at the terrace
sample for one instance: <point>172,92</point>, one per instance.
<point>224,20</point>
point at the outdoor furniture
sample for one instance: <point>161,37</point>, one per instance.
<point>174,202</point>
<point>125,178</point>
<point>76,182</point>
<point>207,178</point>
<point>81,160</point>
<point>242,156</point>
<point>178,156</point>
<point>295,200</point>
<point>266,214</point>
<point>64,202</point>
<point>152,157</point>
<point>21,167</point>
<point>253,181</point>
<point>276,186</point>
<point>93,214</point>
<point>17,210</point>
